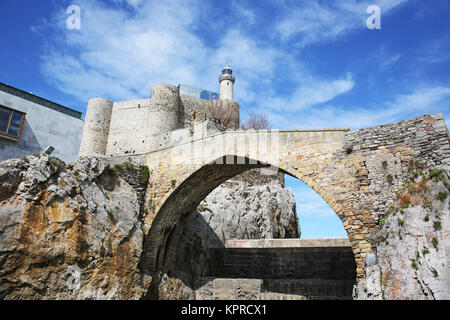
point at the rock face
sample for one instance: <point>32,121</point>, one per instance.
<point>69,231</point>
<point>251,206</point>
<point>413,245</point>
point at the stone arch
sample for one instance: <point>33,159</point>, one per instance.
<point>160,246</point>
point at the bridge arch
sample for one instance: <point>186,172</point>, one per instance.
<point>160,248</point>
<point>181,176</point>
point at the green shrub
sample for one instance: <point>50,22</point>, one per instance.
<point>435,243</point>
<point>437,225</point>
<point>425,250</point>
<point>400,222</point>
<point>414,264</point>
<point>389,178</point>
<point>349,150</point>
<point>435,174</point>
<point>427,218</point>
<point>145,174</point>
<point>382,221</point>
<point>441,195</point>
<point>126,165</point>
<point>382,238</point>
<point>384,164</point>
<point>174,182</point>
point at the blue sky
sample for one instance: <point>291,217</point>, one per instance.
<point>306,64</point>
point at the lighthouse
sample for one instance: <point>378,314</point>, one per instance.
<point>226,81</point>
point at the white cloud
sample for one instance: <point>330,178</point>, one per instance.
<point>247,14</point>
<point>121,56</point>
<point>132,3</point>
<point>421,99</point>
<point>316,22</point>
<point>319,91</point>
<point>309,203</point>
<point>311,92</point>
<point>404,106</point>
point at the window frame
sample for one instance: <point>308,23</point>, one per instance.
<point>22,120</point>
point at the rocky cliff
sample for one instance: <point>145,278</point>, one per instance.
<point>251,206</point>
<point>70,231</point>
<point>412,252</point>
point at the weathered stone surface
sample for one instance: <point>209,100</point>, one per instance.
<point>213,288</point>
<point>346,168</point>
<point>59,217</point>
<point>243,209</point>
<point>413,247</point>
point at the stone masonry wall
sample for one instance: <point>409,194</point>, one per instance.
<point>140,126</point>
<point>386,153</point>
<point>345,168</point>
<point>337,263</point>
<point>274,269</point>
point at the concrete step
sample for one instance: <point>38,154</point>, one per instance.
<point>210,288</point>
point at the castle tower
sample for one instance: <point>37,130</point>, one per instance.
<point>226,80</point>
<point>163,112</point>
<point>96,127</point>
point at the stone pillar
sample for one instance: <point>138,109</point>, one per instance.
<point>96,127</point>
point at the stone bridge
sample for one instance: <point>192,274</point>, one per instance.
<point>358,173</point>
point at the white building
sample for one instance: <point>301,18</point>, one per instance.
<point>29,124</point>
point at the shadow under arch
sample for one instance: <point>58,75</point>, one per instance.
<point>160,245</point>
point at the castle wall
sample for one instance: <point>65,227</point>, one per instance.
<point>129,127</point>
<point>192,109</point>
<point>141,126</point>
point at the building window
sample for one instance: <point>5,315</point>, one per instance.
<point>11,122</point>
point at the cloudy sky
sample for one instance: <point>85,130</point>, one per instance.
<point>306,64</point>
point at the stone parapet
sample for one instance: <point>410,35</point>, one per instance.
<point>288,243</point>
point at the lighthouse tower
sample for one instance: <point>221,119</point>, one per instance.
<point>226,80</point>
